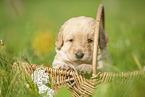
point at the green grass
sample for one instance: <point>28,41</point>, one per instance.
<point>21,22</point>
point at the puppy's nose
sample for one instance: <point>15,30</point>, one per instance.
<point>79,55</point>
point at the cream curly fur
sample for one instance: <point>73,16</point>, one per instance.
<point>80,30</point>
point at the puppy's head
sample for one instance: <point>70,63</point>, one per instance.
<point>75,39</point>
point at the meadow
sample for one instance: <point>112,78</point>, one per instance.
<point>28,30</point>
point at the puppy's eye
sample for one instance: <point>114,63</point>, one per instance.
<point>90,40</point>
<point>71,40</point>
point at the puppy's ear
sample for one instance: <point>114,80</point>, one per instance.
<point>59,40</point>
<point>103,38</point>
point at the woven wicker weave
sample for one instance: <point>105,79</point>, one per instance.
<point>78,84</point>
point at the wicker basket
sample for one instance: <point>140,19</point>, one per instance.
<point>78,84</point>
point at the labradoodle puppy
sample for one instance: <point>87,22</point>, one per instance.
<point>74,45</point>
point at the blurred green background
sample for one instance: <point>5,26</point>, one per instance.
<point>29,28</point>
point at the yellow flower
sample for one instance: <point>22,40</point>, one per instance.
<point>43,42</point>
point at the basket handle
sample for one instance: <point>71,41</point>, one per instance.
<point>99,20</point>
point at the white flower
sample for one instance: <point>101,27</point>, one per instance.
<point>43,89</point>
<point>51,93</point>
<point>41,78</point>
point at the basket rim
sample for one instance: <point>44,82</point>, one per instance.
<point>100,21</point>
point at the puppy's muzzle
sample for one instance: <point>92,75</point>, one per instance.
<point>79,55</point>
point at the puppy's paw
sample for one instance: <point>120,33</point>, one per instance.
<point>85,68</point>
<point>64,67</point>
